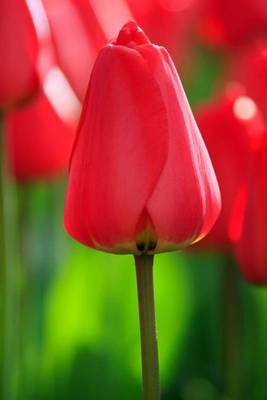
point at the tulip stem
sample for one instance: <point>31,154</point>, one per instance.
<point>149,345</point>
<point>8,317</point>
<point>2,261</point>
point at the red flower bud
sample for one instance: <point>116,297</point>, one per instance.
<point>140,176</point>
<point>232,127</point>
<point>251,250</point>
<point>18,53</point>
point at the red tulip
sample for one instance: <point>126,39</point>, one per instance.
<point>140,176</point>
<point>251,250</point>
<point>232,128</point>
<point>40,135</point>
<point>228,22</point>
<point>18,53</point>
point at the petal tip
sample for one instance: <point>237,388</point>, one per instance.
<point>131,35</point>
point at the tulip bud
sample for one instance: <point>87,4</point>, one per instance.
<point>251,250</point>
<point>18,53</point>
<point>141,180</point>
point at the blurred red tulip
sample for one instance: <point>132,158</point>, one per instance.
<point>251,250</point>
<point>39,136</point>
<point>228,22</point>
<point>47,55</point>
<point>140,176</point>
<point>232,127</point>
<point>18,53</point>
<point>251,69</point>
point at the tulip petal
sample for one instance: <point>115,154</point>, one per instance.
<point>186,200</point>
<point>119,153</point>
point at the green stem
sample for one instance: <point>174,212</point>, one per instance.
<point>3,267</point>
<point>8,316</point>
<point>149,345</point>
